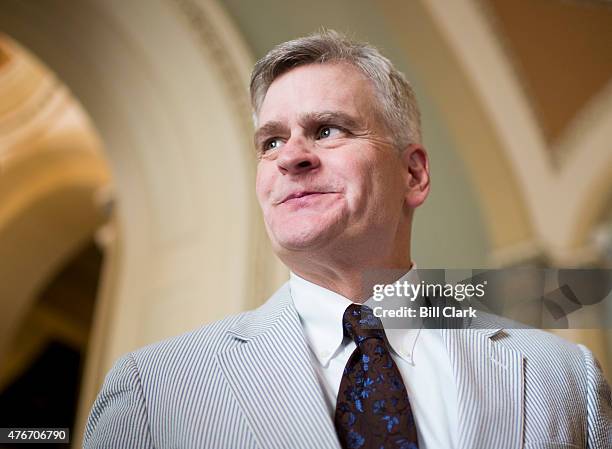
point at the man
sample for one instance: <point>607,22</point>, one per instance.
<point>341,170</point>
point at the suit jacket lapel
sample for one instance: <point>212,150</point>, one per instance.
<point>490,387</point>
<point>274,382</point>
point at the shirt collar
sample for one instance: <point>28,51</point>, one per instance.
<point>321,311</point>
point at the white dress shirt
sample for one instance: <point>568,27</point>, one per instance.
<point>420,355</point>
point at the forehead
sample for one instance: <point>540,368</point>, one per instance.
<point>312,88</point>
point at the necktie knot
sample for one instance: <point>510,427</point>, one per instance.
<point>360,323</point>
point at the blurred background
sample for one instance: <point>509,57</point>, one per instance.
<point>127,205</point>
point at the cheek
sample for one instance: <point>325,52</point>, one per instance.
<point>360,177</point>
<point>376,189</point>
<point>262,192</point>
<point>262,182</point>
<point>359,190</point>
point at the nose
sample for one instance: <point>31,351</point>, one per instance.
<point>295,157</point>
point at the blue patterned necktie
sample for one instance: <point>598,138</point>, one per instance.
<point>372,411</point>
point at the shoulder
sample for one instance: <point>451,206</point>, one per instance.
<point>534,344</point>
<point>146,385</point>
<point>546,357</point>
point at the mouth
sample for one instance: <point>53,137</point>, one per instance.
<point>301,195</point>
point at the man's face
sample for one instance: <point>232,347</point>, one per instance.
<point>328,174</point>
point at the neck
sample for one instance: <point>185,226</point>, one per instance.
<point>351,267</point>
<point>352,280</point>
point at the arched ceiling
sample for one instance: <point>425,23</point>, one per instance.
<point>561,51</point>
<point>51,167</point>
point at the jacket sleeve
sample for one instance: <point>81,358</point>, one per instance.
<point>599,404</point>
<point>118,418</point>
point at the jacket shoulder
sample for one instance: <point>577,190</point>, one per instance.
<point>147,385</point>
<point>530,341</point>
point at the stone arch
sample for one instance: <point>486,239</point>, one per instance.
<point>190,245</point>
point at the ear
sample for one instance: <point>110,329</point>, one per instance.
<point>416,165</point>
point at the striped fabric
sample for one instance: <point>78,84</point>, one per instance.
<point>247,382</point>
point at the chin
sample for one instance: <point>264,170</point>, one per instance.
<point>297,242</point>
<point>301,232</point>
<point>302,238</point>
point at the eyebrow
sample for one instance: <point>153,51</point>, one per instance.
<point>268,129</point>
<point>328,117</point>
<point>275,128</point>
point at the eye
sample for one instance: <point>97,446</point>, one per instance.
<point>327,131</point>
<point>272,144</point>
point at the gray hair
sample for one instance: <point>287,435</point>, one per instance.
<point>397,101</point>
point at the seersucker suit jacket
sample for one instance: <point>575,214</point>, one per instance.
<point>247,381</point>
